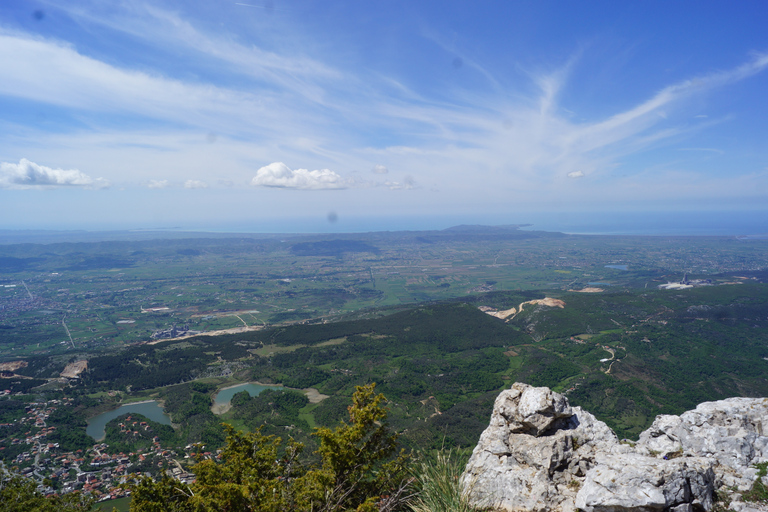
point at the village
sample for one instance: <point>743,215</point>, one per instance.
<point>93,470</point>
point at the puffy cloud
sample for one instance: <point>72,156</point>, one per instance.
<point>157,184</point>
<point>278,175</point>
<point>379,169</point>
<point>195,184</point>
<point>576,174</point>
<point>28,174</point>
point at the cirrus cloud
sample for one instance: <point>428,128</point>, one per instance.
<point>26,175</point>
<point>279,175</point>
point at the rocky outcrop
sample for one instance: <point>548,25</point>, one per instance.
<point>731,432</point>
<point>541,454</point>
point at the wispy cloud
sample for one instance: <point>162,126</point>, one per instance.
<point>285,105</point>
<point>625,124</point>
<point>55,73</point>
<point>286,71</point>
<point>27,175</point>
<point>407,184</point>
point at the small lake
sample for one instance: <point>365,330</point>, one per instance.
<point>224,396</point>
<point>598,283</point>
<point>151,410</point>
<point>618,267</point>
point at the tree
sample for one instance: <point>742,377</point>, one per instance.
<point>19,494</point>
<point>355,471</point>
<point>359,470</point>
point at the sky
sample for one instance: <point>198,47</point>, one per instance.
<point>302,115</point>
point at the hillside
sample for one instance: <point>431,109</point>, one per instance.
<point>626,356</point>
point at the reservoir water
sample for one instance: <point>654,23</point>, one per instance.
<point>150,409</point>
<point>618,267</point>
<point>225,395</point>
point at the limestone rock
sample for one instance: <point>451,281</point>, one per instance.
<point>732,432</point>
<point>539,454</point>
<point>632,482</point>
<point>525,409</point>
<point>532,451</point>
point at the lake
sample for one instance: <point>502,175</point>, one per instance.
<point>151,409</point>
<point>618,267</point>
<point>224,396</point>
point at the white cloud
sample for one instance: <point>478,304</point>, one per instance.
<point>28,174</point>
<point>146,21</point>
<point>407,184</point>
<point>514,140</point>
<point>157,184</point>
<point>56,73</point>
<point>624,125</point>
<point>195,184</point>
<point>278,175</point>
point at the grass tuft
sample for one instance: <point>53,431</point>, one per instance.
<point>759,491</point>
<point>439,478</point>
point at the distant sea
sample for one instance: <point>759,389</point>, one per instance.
<point>745,224</point>
<point>748,225</point>
<point>724,223</point>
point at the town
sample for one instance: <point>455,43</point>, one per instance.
<point>93,470</point>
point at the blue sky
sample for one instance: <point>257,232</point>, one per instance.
<point>213,114</point>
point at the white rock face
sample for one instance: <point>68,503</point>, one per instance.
<point>534,450</point>
<point>541,454</point>
<point>732,432</point>
<point>636,482</point>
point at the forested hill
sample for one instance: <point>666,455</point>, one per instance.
<point>626,356</point>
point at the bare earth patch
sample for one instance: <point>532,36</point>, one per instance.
<point>509,314</point>
<point>72,370</point>
<point>315,397</point>
<point>12,366</point>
